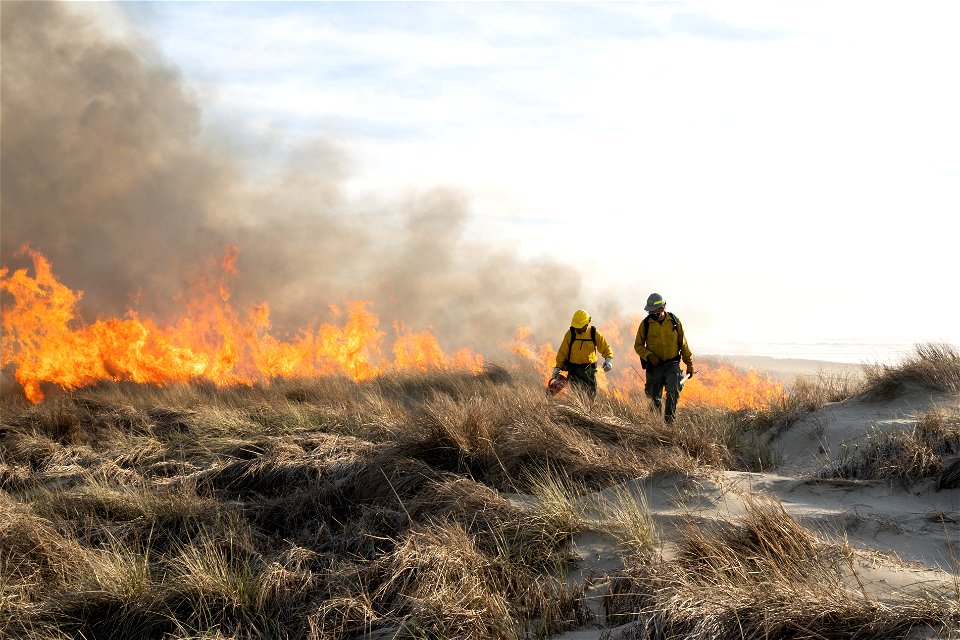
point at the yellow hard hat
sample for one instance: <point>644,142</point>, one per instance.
<point>580,319</point>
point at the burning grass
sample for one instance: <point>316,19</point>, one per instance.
<point>329,508</point>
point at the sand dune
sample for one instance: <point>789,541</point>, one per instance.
<point>906,539</point>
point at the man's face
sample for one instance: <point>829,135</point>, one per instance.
<point>583,328</point>
<point>658,313</point>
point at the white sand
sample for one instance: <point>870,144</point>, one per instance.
<point>903,537</point>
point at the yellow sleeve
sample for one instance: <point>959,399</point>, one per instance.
<point>563,351</point>
<point>603,346</point>
<point>639,345</point>
<point>685,353</point>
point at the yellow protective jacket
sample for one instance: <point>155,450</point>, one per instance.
<point>584,350</point>
<point>662,339</point>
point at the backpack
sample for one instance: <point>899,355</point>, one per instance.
<point>573,334</point>
<point>676,327</point>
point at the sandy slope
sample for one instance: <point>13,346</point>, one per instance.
<point>904,536</point>
<point>787,370</point>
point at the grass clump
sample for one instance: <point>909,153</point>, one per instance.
<point>927,451</point>
<point>442,585</point>
<point>557,499</point>
<point>763,576</point>
<point>805,395</point>
<point>623,513</point>
<point>935,366</point>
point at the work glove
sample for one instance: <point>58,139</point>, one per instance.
<point>608,364</point>
<point>690,372</point>
<point>556,372</point>
<point>653,359</point>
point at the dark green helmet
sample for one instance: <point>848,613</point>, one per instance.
<point>655,302</point>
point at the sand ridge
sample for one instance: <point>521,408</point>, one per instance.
<point>905,540</point>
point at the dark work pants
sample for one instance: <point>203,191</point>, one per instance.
<point>665,375</point>
<point>584,377</point>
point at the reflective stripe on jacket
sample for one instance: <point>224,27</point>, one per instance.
<point>584,351</point>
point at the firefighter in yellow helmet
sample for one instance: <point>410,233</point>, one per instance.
<point>577,354</point>
<point>661,345</point>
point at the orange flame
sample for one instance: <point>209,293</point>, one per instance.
<point>543,356</point>
<point>729,387</point>
<point>45,341</point>
<point>721,386</point>
<point>417,351</point>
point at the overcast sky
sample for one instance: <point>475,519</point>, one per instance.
<point>780,171</point>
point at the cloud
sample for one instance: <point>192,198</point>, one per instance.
<point>703,25</point>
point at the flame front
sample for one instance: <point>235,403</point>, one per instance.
<point>720,386</point>
<point>45,341</point>
<point>542,356</point>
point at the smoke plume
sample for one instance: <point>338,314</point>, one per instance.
<point>104,170</point>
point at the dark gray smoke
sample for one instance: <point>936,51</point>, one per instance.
<point>99,168</point>
<point>103,171</point>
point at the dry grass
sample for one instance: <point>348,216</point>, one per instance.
<point>764,576</point>
<point>927,451</point>
<point>622,513</point>
<point>934,366</point>
<point>306,509</point>
<point>439,582</point>
<point>331,509</point>
<point>805,395</point>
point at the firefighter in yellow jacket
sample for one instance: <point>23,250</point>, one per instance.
<point>577,354</point>
<point>661,344</point>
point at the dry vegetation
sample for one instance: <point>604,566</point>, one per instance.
<point>765,576</point>
<point>929,451</point>
<point>935,366</point>
<point>394,508</point>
